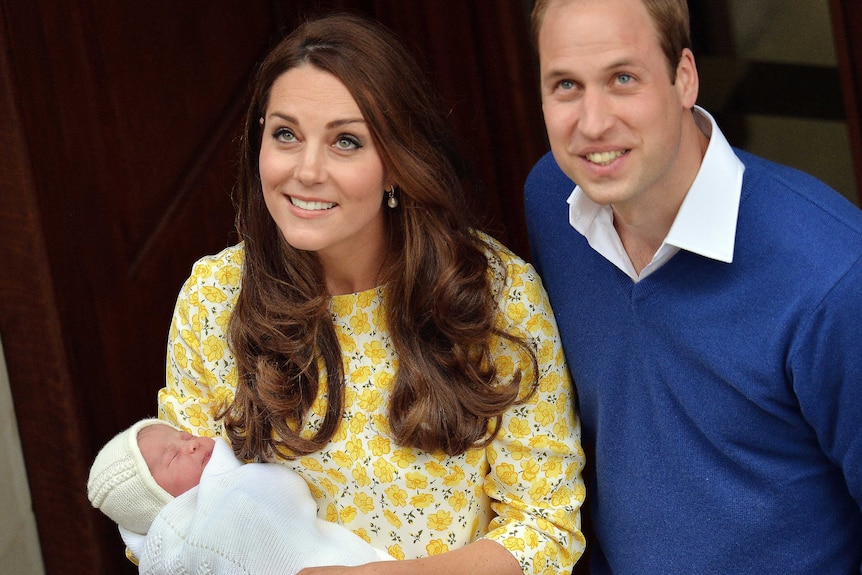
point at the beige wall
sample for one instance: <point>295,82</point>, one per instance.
<point>789,32</point>
<point>19,544</point>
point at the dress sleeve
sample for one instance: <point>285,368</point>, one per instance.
<point>200,372</point>
<point>536,460</point>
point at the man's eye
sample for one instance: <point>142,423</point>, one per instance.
<point>624,79</point>
<point>567,85</point>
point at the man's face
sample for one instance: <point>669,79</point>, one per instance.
<point>613,113</point>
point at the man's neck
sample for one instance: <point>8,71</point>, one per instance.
<point>643,227</point>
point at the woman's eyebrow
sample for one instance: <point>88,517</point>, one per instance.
<point>333,124</point>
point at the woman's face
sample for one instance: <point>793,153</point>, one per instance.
<point>323,180</point>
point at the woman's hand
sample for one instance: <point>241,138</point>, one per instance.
<point>367,569</point>
<point>376,568</point>
<point>482,557</point>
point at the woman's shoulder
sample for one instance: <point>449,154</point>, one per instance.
<point>502,260</point>
<point>230,256</point>
<point>223,269</point>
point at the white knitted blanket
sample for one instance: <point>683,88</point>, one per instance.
<point>245,519</point>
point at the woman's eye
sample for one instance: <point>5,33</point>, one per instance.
<point>347,143</point>
<point>284,135</point>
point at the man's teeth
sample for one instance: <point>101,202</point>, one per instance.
<point>604,158</point>
<point>311,205</point>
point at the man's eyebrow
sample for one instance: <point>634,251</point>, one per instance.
<point>624,63</point>
<point>555,75</point>
<point>559,73</point>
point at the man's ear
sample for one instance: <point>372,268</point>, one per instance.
<point>687,82</point>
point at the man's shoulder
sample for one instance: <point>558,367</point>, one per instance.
<point>788,190</point>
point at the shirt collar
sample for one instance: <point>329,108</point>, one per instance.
<point>705,223</point>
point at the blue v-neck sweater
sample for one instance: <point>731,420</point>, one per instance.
<point>721,403</point>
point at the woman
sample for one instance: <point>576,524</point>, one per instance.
<point>408,367</point>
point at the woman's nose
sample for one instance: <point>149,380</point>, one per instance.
<point>309,169</point>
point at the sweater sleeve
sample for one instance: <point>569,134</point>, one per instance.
<point>536,459</point>
<point>825,369</point>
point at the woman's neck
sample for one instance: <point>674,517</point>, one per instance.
<point>354,272</point>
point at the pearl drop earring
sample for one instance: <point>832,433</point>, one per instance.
<point>392,201</point>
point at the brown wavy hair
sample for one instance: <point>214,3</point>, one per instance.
<point>670,17</point>
<point>440,304</point>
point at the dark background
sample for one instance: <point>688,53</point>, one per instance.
<point>117,156</point>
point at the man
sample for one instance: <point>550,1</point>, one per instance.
<point>710,304</point>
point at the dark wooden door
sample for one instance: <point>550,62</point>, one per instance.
<point>847,30</point>
<point>117,125</point>
<point>117,157</point>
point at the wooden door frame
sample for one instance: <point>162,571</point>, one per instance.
<point>35,339</point>
<point>847,33</point>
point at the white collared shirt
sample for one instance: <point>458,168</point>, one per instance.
<point>705,223</point>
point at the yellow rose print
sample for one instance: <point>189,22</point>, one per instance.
<point>360,477</point>
<point>455,477</point>
<point>336,476</point>
<point>363,502</point>
<point>370,399</point>
<point>379,445</point>
<point>416,480</point>
<point>213,348</point>
<point>213,295</point>
<point>544,413</point>
<point>354,448</point>
<point>507,473</point>
<point>229,275</point>
<point>392,518</point>
<point>517,312</point>
<point>530,469</point>
<point>348,514</point>
<point>311,464</point>
<point>514,544</point>
<point>519,427</point>
<point>436,547</point>
<point>403,457</point>
<point>384,471</point>
<point>440,520</point>
<point>396,496</point>
<point>422,501</point>
<point>359,323</point>
<point>375,352</point>
<point>458,501</point>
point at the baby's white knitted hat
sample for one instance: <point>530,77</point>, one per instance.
<point>121,485</point>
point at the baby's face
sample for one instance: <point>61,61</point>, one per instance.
<point>176,458</point>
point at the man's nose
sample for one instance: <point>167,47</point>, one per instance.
<point>596,115</point>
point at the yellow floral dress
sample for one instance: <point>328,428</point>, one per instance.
<point>524,490</point>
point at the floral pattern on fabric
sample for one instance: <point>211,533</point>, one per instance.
<point>524,490</point>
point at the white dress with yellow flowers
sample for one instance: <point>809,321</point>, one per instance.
<point>524,490</point>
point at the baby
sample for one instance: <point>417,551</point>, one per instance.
<point>184,502</point>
